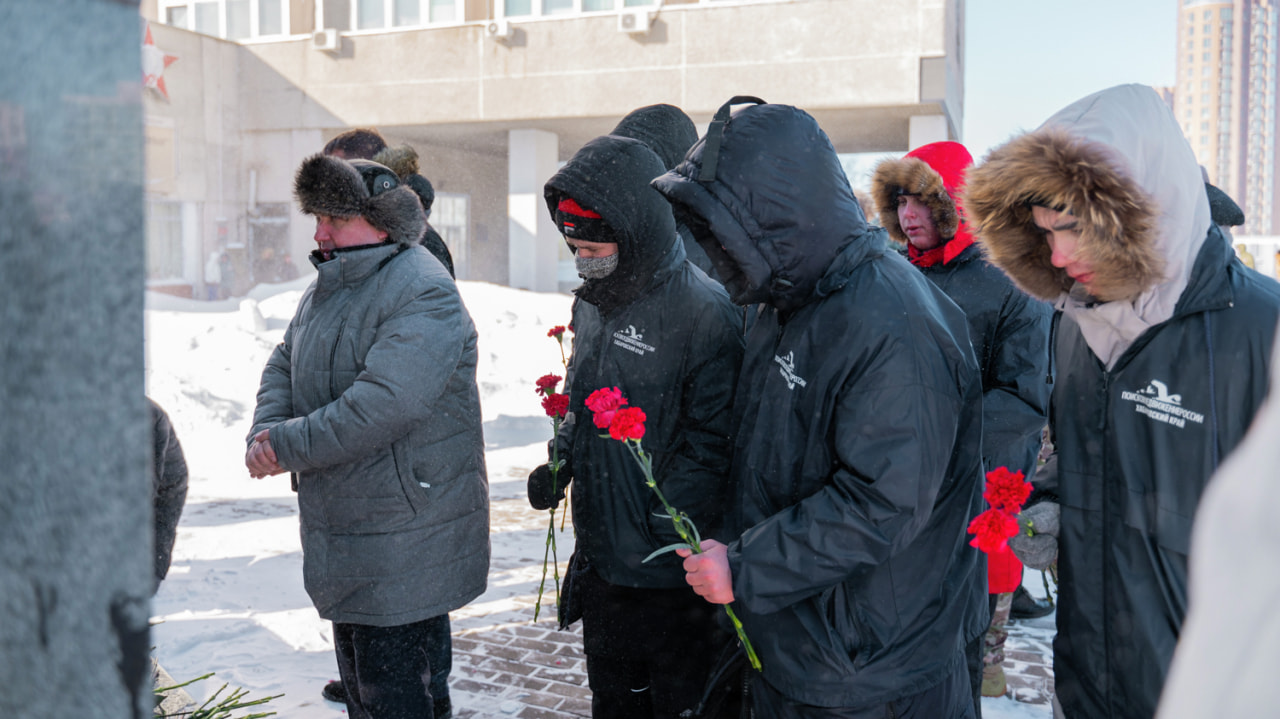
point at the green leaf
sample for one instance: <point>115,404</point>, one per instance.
<point>669,548</point>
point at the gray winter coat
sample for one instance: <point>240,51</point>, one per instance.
<point>371,400</point>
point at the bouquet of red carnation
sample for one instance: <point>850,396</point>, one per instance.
<point>1006,492</point>
<point>556,405</point>
<point>609,411</point>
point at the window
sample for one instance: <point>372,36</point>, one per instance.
<point>1208,14</point>
<point>237,19</point>
<point>176,16</point>
<point>1204,112</point>
<point>1205,70</point>
<point>369,14</point>
<point>595,5</point>
<point>1204,127</point>
<point>1225,14</point>
<point>1207,56</point>
<point>450,216</point>
<point>164,240</point>
<point>1208,42</point>
<point>405,12</point>
<point>1208,29</point>
<point>229,19</point>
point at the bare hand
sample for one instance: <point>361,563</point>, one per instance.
<point>261,458</point>
<point>708,573</point>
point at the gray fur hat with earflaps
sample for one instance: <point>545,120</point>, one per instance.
<point>326,185</point>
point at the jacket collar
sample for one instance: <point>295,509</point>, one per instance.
<point>352,266</point>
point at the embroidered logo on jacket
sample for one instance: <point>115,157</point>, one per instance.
<point>1155,402</point>
<point>631,340</point>
<point>787,366</point>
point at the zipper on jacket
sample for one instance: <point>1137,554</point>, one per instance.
<point>333,359</point>
<point>1053,333</point>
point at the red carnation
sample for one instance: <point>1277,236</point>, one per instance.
<point>547,383</point>
<point>603,403</point>
<point>555,405</point>
<point>1006,491</point>
<point>556,332</point>
<point>627,424</point>
<point>992,530</point>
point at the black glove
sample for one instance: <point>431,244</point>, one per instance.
<point>541,495</point>
<point>1036,543</point>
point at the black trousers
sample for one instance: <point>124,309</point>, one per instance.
<point>950,699</point>
<point>387,670</point>
<point>649,651</point>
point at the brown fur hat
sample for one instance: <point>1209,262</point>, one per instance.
<point>1053,168</point>
<point>912,176</point>
<point>326,185</point>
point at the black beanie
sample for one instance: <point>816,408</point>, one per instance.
<point>579,223</point>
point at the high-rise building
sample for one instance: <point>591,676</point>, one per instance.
<point>1225,98</point>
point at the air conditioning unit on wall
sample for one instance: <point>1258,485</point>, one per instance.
<point>326,39</point>
<point>636,22</point>
<point>498,29</point>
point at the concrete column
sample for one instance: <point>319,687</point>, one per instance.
<point>924,129</point>
<point>532,237</point>
<point>75,492</point>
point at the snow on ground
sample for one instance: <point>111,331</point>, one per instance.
<point>233,602</point>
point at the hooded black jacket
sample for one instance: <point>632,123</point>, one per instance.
<point>1153,387</point>
<point>1132,465</point>
<point>669,132</point>
<point>856,458</point>
<point>662,332</point>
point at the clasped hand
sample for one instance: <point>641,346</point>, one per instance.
<point>261,458</point>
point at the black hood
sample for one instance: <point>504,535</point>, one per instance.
<point>775,207</point>
<point>611,175</point>
<point>664,128</point>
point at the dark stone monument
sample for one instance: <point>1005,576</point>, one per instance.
<point>75,490</point>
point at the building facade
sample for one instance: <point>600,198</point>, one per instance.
<point>1226,100</point>
<point>494,95</point>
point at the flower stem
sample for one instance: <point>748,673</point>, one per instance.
<point>690,538</point>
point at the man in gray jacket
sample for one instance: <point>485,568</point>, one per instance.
<point>371,403</point>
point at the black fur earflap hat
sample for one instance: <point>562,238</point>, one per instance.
<point>331,186</point>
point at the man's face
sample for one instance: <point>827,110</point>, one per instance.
<point>1061,231</point>
<point>583,248</point>
<point>336,232</point>
<point>916,220</point>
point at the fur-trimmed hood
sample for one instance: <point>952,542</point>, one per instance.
<point>1118,162</point>
<point>326,185</point>
<point>934,173</point>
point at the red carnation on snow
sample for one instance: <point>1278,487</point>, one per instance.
<point>604,403</point>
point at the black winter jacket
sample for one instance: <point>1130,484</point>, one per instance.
<point>856,458</point>
<point>662,332</point>
<point>1010,335</point>
<point>169,488</point>
<point>1132,464</point>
